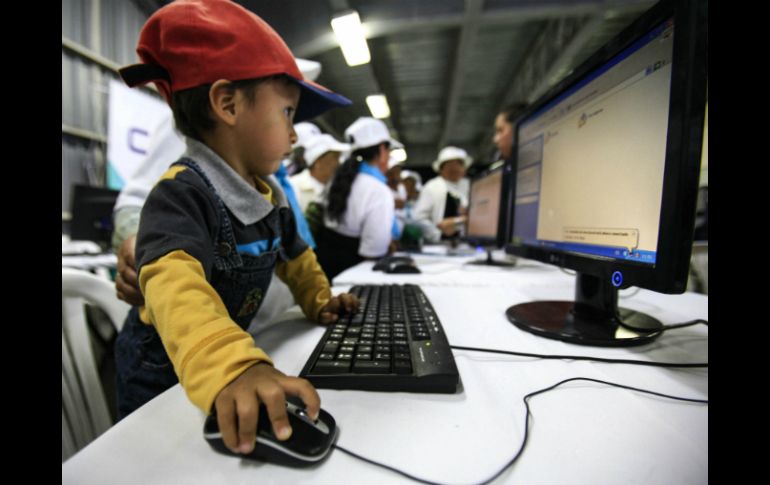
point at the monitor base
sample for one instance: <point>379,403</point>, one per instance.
<point>557,320</point>
<point>493,262</point>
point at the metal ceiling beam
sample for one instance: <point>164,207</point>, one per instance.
<point>551,54</point>
<point>562,65</point>
<point>505,16</point>
<point>466,42</point>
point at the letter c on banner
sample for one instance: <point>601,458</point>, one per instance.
<point>134,133</point>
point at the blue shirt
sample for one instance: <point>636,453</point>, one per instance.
<point>304,231</point>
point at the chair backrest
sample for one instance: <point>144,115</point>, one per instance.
<point>85,414</point>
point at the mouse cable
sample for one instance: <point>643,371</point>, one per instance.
<point>582,357</point>
<point>526,427</point>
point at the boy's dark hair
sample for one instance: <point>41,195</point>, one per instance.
<point>343,180</point>
<point>512,111</point>
<point>192,113</point>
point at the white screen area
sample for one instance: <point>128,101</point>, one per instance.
<point>592,164</point>
<point>485,205</point>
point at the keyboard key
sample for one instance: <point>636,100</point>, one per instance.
<point>331,367</point>
<point>371,367</point>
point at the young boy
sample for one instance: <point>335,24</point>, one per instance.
<point>216,226</point>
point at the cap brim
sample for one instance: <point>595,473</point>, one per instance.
<point>467,161</point>
<point>395,144</point>
<point>315,100</point>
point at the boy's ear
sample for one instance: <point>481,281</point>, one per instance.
<point>222,101</point>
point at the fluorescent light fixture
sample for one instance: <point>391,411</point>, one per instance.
<point>350,35</point>
<point>378,105</point>
<point>398,154</point>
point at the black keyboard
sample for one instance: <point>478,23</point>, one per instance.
<point>395,342</point>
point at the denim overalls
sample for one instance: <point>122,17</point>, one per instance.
<point>241,280</point>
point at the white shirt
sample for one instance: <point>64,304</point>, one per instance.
<point>369,215</point>
<point>166,146</point>
<point>307,188</point>
<point>430,206</point>
<point>399,193</point>
<point>432,201</point>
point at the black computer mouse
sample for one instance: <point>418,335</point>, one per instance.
<point>400,267</point>
<point>310,441</point>
<point>384,263</point>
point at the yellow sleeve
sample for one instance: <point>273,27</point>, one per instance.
<point>207,348</point>
<point>307,282</point>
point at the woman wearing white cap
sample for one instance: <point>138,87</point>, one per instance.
<point>322,154</point>
<point>444,200</point>
<point>358,220</point>
<point>305,132</point>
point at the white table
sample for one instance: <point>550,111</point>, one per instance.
<point>581,433</point>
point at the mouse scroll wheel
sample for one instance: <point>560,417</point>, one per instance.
<point>303,415</point>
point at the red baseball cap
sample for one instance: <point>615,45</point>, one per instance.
<point>188,43</point>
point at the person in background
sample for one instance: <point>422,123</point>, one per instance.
<point>393,175</point>
<point>216,226</point>
<point>503,137</point>
<point>296,163</point>
<point>442,206</point>
<point>322,154</point>
<point>358,220</point>
<point>412,183</point>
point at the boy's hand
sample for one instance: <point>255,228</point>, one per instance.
<point>237,405</point>
<point>331,312</point>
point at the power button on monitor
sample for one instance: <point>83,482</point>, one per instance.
<point>617,278</point>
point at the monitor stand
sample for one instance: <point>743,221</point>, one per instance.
<point>592,319</point>
<point>492,262</point>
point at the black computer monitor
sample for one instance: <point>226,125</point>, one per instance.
<point>607,166</point>
<point>92,214</point>
<point>488,212</point>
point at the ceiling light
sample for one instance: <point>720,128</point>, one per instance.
<point>378,105</point>
<point>350,34</point>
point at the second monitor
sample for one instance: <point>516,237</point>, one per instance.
<point>488,214</point>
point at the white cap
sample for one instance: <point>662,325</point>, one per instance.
<point>305,131</point>
<point>392,162</point>
<point>310,69</point>
<point>368,132</point>
<point>405,174</point>
<point>316,146</point>
<point>451,153</point>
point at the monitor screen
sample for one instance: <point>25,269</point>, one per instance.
<point>607,165</point>
<point>484,206</point>
<point>488,212</point>
<point>92,214</point>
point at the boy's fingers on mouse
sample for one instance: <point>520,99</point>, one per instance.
<point>227,424</point>
<point>275,402</point>
<point>302,388</point>
<point>248,409</point>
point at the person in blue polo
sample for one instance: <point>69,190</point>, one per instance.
<point>359,211</point>
<point>216,226</point>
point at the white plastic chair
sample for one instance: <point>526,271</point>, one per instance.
<point>85,414</point>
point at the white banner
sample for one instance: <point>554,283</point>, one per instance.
<point>133,117</point>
